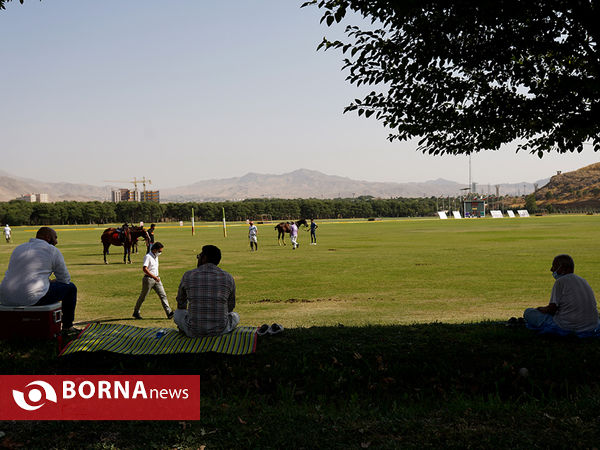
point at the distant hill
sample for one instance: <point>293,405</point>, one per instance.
<point>12,187</point>
<point>577,189</point>
<point>301,183</point>
<point>305,183</point>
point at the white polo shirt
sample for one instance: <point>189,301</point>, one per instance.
<point>28,276</point>
<point>252,231</point>
<point>151,262</point>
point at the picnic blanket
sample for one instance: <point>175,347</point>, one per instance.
<point>131,340</point>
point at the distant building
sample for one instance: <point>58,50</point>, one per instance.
<point>34,198</point>
<point>30,198</point>
<point>126,195</point>
<point>150,196</point>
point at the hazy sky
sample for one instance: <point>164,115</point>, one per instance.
<point>189,90</point>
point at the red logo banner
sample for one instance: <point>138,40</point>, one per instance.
<point>99,397</point>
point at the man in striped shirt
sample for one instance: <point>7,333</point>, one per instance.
<point>206,298</point>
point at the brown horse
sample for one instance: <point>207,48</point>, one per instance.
<point>284,227</point>
<point>126,238</point>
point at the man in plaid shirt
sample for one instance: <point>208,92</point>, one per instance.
<point>206,298</point>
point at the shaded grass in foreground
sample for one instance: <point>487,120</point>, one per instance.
<point>424,385</point>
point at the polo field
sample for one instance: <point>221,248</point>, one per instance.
<point>360,272</point>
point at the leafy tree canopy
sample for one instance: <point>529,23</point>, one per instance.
<point>2,2</point>
<point>471,75</point>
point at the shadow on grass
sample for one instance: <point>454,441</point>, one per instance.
<point>417,361</point>
<point>416,385</point>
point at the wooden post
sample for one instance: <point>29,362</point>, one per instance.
<point>193,232</point>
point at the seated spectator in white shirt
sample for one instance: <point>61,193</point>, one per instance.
<point>572,306</point>
<point>27,280</point>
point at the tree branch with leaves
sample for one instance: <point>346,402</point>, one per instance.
<point>3,3</point>
<point>471,75</point>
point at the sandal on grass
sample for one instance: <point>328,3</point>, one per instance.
<point>275,329</point>
<point>264,329</point>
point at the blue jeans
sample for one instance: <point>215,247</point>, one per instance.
<point>67,294</point>
<point>539,321</point>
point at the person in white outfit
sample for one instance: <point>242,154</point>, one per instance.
<point>151,280</point>
<point>294,235</point>
<point>7,233</point>
<point>252,233</point>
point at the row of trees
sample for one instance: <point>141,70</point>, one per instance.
<point>18,212</point>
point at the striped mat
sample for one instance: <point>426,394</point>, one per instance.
<point>130,340</point>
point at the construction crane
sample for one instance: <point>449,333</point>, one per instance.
<point>144,181</point>
<point>135,183</point>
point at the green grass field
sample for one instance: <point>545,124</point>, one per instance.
<point>394,339</point>
<point>387,272</point>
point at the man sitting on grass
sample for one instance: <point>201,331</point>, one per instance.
<point>27,280</point>
<point>572,306</point>
<point>206,298</point>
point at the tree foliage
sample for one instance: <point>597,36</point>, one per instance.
<point>471,75</point>
<point>3,2</point>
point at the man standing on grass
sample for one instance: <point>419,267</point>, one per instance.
<point>7,233</point>
<point>294,235</point>
<point>313,232</point>
<point>206,298</point>
<point>150,237</point>
<point>151,280</point>
<point>27,280</point>
<point>572,306</point>
<point>252,232</point>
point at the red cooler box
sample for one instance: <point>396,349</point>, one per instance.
<point>30,321</point>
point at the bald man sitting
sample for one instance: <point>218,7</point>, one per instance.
<point>27,280</point>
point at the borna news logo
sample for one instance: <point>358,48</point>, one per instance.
<point>35,396</point>
<point>100,397</point>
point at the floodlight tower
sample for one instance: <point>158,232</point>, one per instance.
<point>470,174</point>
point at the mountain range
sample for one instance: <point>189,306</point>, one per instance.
<point>301,183</point>
<point>12,187</point>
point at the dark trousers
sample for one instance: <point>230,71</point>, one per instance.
<point>65,293</point>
